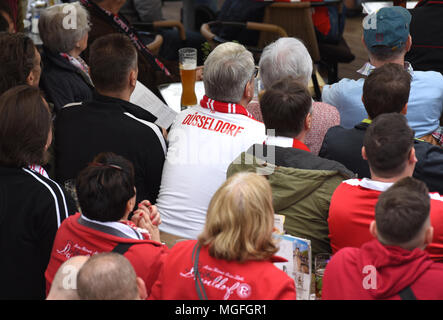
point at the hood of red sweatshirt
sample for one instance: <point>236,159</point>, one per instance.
<point>395,268</point>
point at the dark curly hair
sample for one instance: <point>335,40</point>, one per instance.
<point>17,59</point>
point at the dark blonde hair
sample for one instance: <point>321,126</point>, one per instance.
<point>240,220</point>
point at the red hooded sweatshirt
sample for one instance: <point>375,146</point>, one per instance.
<point>377,272</point>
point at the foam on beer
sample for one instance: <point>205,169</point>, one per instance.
<point>188,65</point>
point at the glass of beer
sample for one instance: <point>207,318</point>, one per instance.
<point>188,66</point>
<point>321,260</point>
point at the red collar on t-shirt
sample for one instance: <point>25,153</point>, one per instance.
<point>224,107</point>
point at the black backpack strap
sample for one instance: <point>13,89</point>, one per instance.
<point>122,247</point>
<point>407,294</point>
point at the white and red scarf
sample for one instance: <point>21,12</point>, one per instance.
<point>224,107</point>
<point>38,169</point>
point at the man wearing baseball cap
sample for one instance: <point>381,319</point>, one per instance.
<point>387,40</point>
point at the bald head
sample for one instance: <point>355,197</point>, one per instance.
<point>109,276</point>
<point>64,285</point>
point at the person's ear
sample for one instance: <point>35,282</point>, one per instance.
<point>30,79</point>
<point>133,75</point>
<point>142,292</point>
<point>409,43</point>
<point>363,153</point>
<point>429,235</point>
<point>130,204</point>
<point>249,90</point>
<point>373,228</point>
<point>412,158</point>
<point>404,111</point>
<point>308,121</point>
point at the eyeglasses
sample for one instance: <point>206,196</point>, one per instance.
<point>256,70</point>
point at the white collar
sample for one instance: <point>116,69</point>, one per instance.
<point>127,230</point>
<point>370,184</point>
<point>278,141</point>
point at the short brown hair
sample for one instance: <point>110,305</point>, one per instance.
<point>105,186</point>
<point>388,142</point>
<point>25,124</point>
<point>111,58</point>
<point>17,59</point>
<point>386,90</point>
<point>240,219</point>
<point>107,276</point>
<point>402,210</point>
<point>285,106</point>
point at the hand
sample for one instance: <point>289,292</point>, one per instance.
<point>151,211</point>
<point>142,220</point>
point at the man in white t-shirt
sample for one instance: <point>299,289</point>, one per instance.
<point>205,139</point>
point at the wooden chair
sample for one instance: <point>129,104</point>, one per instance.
<point>157,41</point>
<point>264,28</point>
<point>296,19</point>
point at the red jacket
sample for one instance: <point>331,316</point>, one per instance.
<point>380,272</point>
<point>352,210</point>
<point>223,280</point>
<point>74,239</point>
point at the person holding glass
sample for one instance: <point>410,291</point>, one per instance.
<point>234,255</point>
<point>65,78</point>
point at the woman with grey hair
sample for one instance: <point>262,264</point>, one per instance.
<point>64,31</point>
<point>288,57</point>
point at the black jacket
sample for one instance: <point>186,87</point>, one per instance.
<point>84,130</point>
<point>62,82</point>
<point>31,210</point>
<point>344,145</point>
<point>426,30</point>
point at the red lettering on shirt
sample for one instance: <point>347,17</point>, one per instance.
<point>208,123</point>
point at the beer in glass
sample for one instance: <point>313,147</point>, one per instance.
<point>188,66</point>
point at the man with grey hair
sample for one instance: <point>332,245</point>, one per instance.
<point>64,31</point>
<point>288,57</point>
<point>204,139</point>
<point>109,276</point>
<point>64,285</point>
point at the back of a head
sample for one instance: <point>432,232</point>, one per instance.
<point>105,186</point>
<point>17,59</point>
<point>285,106</point>
<point>401,213</point>
<point>228,68</point>
<point>111,59</point>
<point>286,57</point>
<point>60,30</point>
<point>25,125</point>
<point>388,142</point>
<point>386,32</point>
<point>64,284</point>
<point>107,276</point>
<point>386,90</point>
<point>239,220</point>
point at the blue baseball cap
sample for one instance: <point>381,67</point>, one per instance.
<point>387,27</point>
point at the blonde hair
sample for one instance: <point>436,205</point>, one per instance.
<point>240,219</point>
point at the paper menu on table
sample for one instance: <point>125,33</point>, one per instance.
<point>172,93</point>
<point>146,99</point>
<point>299,255</point>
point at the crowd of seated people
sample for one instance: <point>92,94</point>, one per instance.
<point>98,202</point>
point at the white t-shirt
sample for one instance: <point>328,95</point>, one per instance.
<point>202,144</point>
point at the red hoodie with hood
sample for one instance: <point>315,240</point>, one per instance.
<point>378,272</point>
